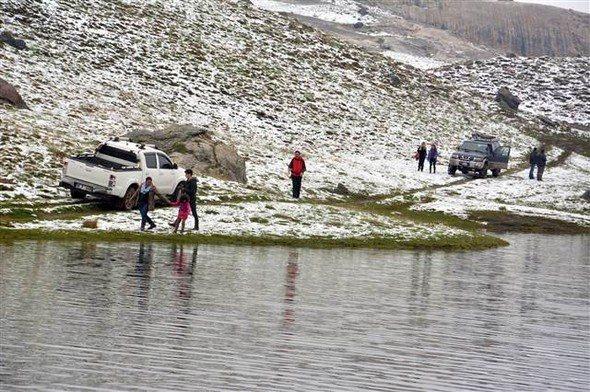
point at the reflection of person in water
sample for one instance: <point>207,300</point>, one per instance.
<point>290,279</point>
<point>183,269</point>
<point>143,269</point>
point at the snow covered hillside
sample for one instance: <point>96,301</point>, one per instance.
<point>557,88</point>
<point>261,81</point>
<point>257,80</point>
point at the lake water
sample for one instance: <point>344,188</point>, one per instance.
<point>153,316</point>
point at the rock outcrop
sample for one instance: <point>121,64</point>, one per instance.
<point>194,147</point>
<point>9,39</point>
<point>9,94</point>
<point>507,100</point>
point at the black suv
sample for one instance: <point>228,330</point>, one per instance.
<point>479,154</point>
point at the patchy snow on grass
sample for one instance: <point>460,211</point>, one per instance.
<point>558,196</point>
<point>413,60</point>
<point>295,219</point>
<point>336,11</point>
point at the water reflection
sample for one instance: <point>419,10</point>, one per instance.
<point>290,289</point>
<point>151,316</point>
<point>183,266</point>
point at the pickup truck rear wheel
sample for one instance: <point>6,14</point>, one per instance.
<point>127,202</point>
<point>77,194</point>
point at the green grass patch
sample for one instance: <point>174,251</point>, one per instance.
<point>504,221</point>
<point>476,242</point>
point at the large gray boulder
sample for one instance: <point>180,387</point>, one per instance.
<point>507,100</point>
<point>194,147</point>
<point>8,94</point>
<point>9,39</point>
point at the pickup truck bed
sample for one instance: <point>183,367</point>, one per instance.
<point>103,163</point>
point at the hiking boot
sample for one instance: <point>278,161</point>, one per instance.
<point>152,226</point>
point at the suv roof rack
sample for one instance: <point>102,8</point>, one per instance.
<point>483,137</point>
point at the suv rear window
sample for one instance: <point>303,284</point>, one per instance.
<point>117,153</point>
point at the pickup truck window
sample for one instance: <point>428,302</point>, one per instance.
<point>165,163</point>
<point>150,160</point>
<point>117,153</point>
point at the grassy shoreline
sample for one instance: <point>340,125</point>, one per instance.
<point>451,243</point>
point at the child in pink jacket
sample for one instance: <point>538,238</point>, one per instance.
<point>184,210</point>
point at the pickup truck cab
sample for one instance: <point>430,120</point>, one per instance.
<point>479,154</point>
<point>117,168</point>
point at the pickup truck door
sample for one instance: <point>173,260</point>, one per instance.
<point>166,174</point>
<point>500,158</point>
<point>151,168</point>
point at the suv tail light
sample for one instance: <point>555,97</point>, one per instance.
<point>112,181</point>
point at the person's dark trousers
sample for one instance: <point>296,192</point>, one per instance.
<point>143,210</point>
<point>532,172</point>
<point>432,167</point>
<point>540,171</point>
<point>296,186</point>
<point>193,204</point>
<point>421,164</point>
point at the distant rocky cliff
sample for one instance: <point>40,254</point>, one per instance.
<point>525,29</point>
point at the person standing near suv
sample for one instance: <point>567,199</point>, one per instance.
<point>190,188</point>
<point>297,168</point>
<point>533,163</point>
<point>421,156</point>
<point>541,162</point>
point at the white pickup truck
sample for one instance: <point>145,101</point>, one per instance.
<point>117,168</point>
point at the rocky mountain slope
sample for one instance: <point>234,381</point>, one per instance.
<point>426,33</point>
<point>261,82</point>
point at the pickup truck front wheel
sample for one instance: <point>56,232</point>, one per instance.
<point>127,202</point>
<point>77,194</point>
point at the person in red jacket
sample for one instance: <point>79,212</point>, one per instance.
<point>297,168</point>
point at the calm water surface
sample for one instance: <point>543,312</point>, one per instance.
<point>148,316</point>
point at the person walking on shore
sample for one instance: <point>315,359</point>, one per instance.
<point>190,188</point>
<point>297,168</point>
<point>421,156</point>
<point>541,162</point>
<point>146,202</point>
<point>533,163</point>
<point>184,210</point>
<point>432,156</point>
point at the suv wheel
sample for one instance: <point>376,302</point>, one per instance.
<point>483,173</point>
<point>127,202</point>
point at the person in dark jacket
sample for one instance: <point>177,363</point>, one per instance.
<point>421,156</point>
<point>541,162</point>
<point>533,163</point>
<point>296,169</point>
<point>190,188</point>
<point>146,201</point>
<point>432,156</point>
